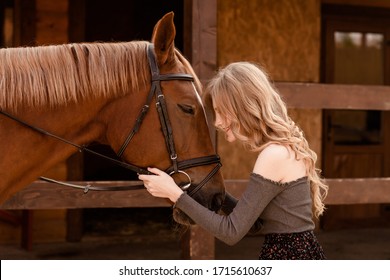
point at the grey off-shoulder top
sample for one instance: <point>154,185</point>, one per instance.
<point>282,207</point>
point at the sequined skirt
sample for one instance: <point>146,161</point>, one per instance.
<point>291,246</point>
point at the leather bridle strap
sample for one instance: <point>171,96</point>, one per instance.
<point>194,162</point>
<point>155,90</point>
<point>81,148</point>
<point>205,180</point>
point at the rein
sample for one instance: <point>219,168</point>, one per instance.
<point>177,166</point>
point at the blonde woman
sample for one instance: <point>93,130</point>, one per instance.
<point>284,191</point>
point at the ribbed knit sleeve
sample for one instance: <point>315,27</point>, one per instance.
<point>233,227</point>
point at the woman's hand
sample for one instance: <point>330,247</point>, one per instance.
<point>161,184</point>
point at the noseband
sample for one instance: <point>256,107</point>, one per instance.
<point>177,166</point>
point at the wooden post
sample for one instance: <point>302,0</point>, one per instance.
<point>197,244</point>
<point>74,217</point>
<point>200,47</point>
<point>24,23</point>
<point>24,35</point>
<point>27,222</point>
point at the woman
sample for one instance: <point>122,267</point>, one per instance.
<point>285,190</point>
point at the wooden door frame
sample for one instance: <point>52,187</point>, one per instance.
<point>363,19</point>
<point>347,18</point>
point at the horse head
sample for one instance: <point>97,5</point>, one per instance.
<point>177,138</point>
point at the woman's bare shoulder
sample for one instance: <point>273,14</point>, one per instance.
<point>275,151</point>
<point>277,162</point>
<point>270,161</point>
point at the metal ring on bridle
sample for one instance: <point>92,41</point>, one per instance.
<point>186,186</point>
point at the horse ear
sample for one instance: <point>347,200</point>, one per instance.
<point>163,39</point>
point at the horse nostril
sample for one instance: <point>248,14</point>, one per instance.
<point>216,202</point>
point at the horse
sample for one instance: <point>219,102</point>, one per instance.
<point>100,92</point>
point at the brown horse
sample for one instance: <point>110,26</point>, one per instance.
<point>93,92</point>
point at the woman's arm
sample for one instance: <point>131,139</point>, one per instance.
<point>228,203</point>
<point>231,228</point>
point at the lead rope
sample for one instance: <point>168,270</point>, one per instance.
<point>81,148</point>
<point>89,187</point>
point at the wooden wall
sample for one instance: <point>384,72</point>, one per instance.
<point>47,23</point>
<point>51,28</point>
<point>52,22</point>
<point>282,36</point>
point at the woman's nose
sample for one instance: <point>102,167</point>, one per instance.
<point>217,121</point>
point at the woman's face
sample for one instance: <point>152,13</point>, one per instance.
<point>223,124</point>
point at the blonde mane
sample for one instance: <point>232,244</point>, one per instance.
<point>59,74</point>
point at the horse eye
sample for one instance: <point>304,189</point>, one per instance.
<point>188,109</point>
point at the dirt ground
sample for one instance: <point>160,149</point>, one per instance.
<point>135,239</point>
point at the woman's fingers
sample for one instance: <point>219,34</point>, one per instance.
<point>155,171</point>
<point>160,184</point>
<point>149,179</point>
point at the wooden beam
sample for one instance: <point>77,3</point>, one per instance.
<point>341,191</point>
<point>197,244</point>
<point>10,217</point>
<point>334,96</point>
<point>43,195</point>
<point>358,191</point>
<point>27,229</point>
<point>24,22</point>
<point>202,40</point>
<point>371,3</point>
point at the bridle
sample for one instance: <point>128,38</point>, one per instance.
<point>156,90</point>
<point>176,167</point>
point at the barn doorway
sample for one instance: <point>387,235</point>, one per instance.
<point>356,50</point>
<point>113,21</point>
<point>120,20</point>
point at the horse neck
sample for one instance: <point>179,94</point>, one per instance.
<point>26,154</point>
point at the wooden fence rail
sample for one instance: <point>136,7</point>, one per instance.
<point>44,195</point>
<point>342,191</point>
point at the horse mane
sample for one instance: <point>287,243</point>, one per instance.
<point>59,74</point>
<point>188,66</point>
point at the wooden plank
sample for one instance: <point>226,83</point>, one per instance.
<point>197,244</point>
<point>24,22</point>
<point>202,45</point>
<point>358,191</point>
<point>204,38</point>
<point>27,231</point>
<point>334,96</point>
<point>44,195</point>
<point>74,225</point>
<point>341,191</point>
<point>52,23</point>
<point>10,218</point>
<point>371,3</point>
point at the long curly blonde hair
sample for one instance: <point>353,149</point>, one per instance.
<point>244,95</point>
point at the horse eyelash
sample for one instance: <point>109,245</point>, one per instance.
<point>188,109</point>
